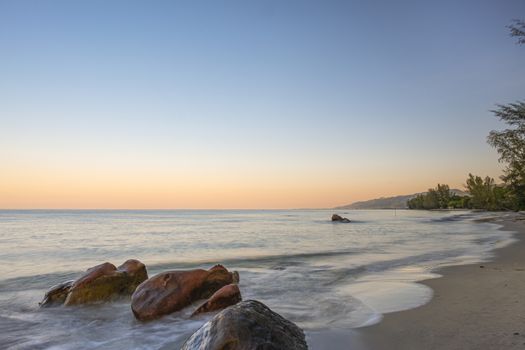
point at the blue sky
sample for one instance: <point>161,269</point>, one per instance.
<point>372,97</point>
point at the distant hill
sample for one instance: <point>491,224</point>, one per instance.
<point>396,202</point>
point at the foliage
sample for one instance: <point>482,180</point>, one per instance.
<point>459,202</point>
<point>438,198</point>
<point>510,143</point>
<point>485,194</point>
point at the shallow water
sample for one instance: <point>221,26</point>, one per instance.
<point>324,276</point>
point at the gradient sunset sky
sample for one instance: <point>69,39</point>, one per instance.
<point>248,104</point>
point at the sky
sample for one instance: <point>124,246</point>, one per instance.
<point>248,104</point>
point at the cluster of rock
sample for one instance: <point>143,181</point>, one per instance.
<point>240,325</point>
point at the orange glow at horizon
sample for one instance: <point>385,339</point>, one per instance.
<point>34,187</point>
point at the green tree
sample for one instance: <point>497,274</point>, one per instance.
<point>486,194</point>
<point>416,202</point>
<point>435,198</point>
<point>510,143</point>
<point>431,199</point>
<point>444,196</point>
<point>459,202</point>
<point>475,188</point>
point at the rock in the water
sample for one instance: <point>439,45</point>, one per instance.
<point>247,325</point>
<point>339,218</point>
<point>224,297</point>
<point>57,294</point>
<point>103,282</point>
<point>171,291</point>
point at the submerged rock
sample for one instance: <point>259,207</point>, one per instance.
<point>245,326</point>
<point>224,297</point>
<point>339,218</point>
<point>171,291</point>
<point>100,283</point>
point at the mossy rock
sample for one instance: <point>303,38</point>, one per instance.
<point>101,283</point>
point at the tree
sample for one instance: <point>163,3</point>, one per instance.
<point>459,202</point>
<point>431,199</point>
<point>485,194</point>
<point>510,143</point>
<point>435,198</point>
<point>416,202</point>
<point>477,189</point>
<point>443,194</point>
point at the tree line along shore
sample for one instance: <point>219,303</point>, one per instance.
<point>483,194</point>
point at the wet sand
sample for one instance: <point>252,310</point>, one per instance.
<point>479,306</point>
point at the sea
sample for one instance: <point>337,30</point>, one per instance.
<point>327,277</point>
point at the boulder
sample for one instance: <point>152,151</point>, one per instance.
<point>171,291</point>
<point>245,326</point>
<point>100,283</point>
<point>221,299</point>
<point>105,282</point>
<point>339,218</point>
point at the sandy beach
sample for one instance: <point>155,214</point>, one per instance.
<point>478,306</point>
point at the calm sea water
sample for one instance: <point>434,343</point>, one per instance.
<point>324,276</point>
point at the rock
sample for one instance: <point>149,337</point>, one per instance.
<point>245,326</point>
<point>339,218</point>
<point>224,297</point>
<point>57,294</point>
<point>105,282</point>
<point>100,283</point>
<point>171,291</point>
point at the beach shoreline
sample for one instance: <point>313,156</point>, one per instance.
<point>476,306</point>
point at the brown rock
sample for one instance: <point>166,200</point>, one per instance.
<point>226,296</point>
<point>105,282</point>
<point>171,291</point>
